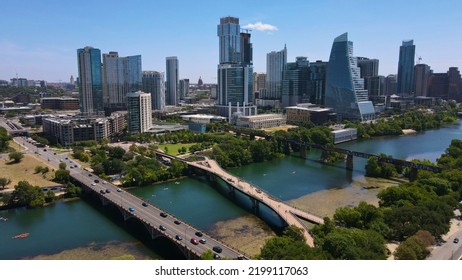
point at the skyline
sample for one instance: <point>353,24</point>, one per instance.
<point>42,43</point>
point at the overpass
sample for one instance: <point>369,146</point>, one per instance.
<point>289,214</point>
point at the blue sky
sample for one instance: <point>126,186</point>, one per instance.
<point>39,39</point>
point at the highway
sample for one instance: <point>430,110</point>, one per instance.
<point>149,214</point>
<point>448,250</point>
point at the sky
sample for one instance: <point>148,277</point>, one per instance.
<point>39,39</point>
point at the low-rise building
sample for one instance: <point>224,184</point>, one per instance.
<point>345,135</point>
<point>203,118</point>
<point>60,103</point>
<point>261,121</point>
<point>66,131</point>
<point>306,112</point>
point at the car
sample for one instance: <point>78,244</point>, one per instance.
<point>194,241</point>
<point>162,227</point>
<point>144,204</point>
<point>93,184</point>
<point>216,256</point>
<point>198,233</point>
<point>102,191</point>
<point>66,158</point>
<point>96,181</point>
<point>119,190</point>
<point>54,153</point>
<point>70,167</point>
<point>177,222</point>
<point>163,215</point>
<point>178,237</point>
<point>202,241</point>
<point>103,182</point>
<point>108,190</point>
<point>44,150</point>
<point>456,240</point>
<point>75,166</point>
<point>131,209</point>
<point>217,249</point>
<point>89,175</point>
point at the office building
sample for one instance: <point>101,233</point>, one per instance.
<point>391,85</point>
<point>235,70</point>
<point>139,112</point>
<point>154,83</point>
<point>455,84</point>
<point>345,91</point>
<point>447,86</point>
<point>422,73</point>
<point>375,85</point>
<point>259,82</point>
<point>317,82</point>
<point>171,85</point>
<point>368,67</point>
<point>60,103</point>
<point>406,68</point>
<point>183,88</point>
<point>261,121</point>
<point>90,81</point>
<point>121,75</point>
<point>295,81</point>
<point>307,112</point>
<point>275,66</point>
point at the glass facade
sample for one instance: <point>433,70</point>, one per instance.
<point>90,81</point>
<point>172,96</point>
<point>295,82</point>
<point>154,83</point>
<point>344,88</point>
<point>406,68</point>
<point>275,66</point>
<point>235,85</point>
<point>228,32</point>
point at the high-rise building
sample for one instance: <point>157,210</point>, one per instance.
<point>275,66</point>
<point>230,40</point>
<point>368,67</point>
<point>406,68</point>
<point>235,70</point>
<point>375,85</point>
<point>183,89</point>
<point>172,96</point>
<point>455,84</point>
<point>391,85</point>
<point>90,81</point>
<point>121,75</point>
<point>422,73</point>
<point>154,83</point>
<point>447,86</point>
<point>259,81</point>
<point>295,82</point>
<point>317,82</point>
<point>345,91</point>
<point>139,112</point>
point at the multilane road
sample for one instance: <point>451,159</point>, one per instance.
<point>132,207</point>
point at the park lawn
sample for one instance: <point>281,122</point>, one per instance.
<point>284,128</point>
<point>25,171</point>
<point>173,148</point>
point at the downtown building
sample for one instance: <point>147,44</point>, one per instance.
<point>90,81</point>
<point>275,65</point>
<point>172,95</point>
<point>295,82</point>
<point>139,112</point>
<point>406,68</point>
<point>121,75</point>
<point>345,91</point>
<point>154,83</point>
<point>235,70</point>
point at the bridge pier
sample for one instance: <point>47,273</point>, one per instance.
<point>210,177</point>
<point>302,151</point>
<point>104,201</point>
<point>349,162</point>
<point>413,174</point>
<point>324,156</point>
<point>232,191</point>
<point>255,206</point>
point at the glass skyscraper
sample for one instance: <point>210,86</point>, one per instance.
<point>275,65</point>
<point>172,96</point>
<point>121,75</point>
<point>235,71</point>
<point>154,83</point>
<point>295,81</point>
<point>406,68</point>
<point>345,91</point>
<point>90,81</point>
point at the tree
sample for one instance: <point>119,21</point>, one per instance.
<point>4,139</point>
<point>62,165</point>
<point>25,194</point>
<point>4,182</point>
<point>50,196</point>
<point>412,248</point>
<point>16,156</point>
<point>61,176</point>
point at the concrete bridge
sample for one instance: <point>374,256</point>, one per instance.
<point>289,214</point>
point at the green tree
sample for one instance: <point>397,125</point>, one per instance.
<point>412,248</point>
<point>4,139</point>
<point>207,255</point>
<point>62,165</point>
<point>50,196</point>
<point>61,176</point>
<point>4,182</point>
<point>16,156</point>
<point>25,194</point>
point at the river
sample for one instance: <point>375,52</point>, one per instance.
<point>86,230</point>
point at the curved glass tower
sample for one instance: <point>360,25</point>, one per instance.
<point>345,91</point>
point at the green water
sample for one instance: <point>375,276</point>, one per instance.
<point>66,226</point>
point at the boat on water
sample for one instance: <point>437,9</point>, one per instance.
<point>22,235</point>
<point>3,219</point>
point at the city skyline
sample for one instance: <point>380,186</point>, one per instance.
<point>40,44</point>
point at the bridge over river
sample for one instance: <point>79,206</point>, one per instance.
<point>289,214</point>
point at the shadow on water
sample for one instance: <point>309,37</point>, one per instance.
<point>162,246</point>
